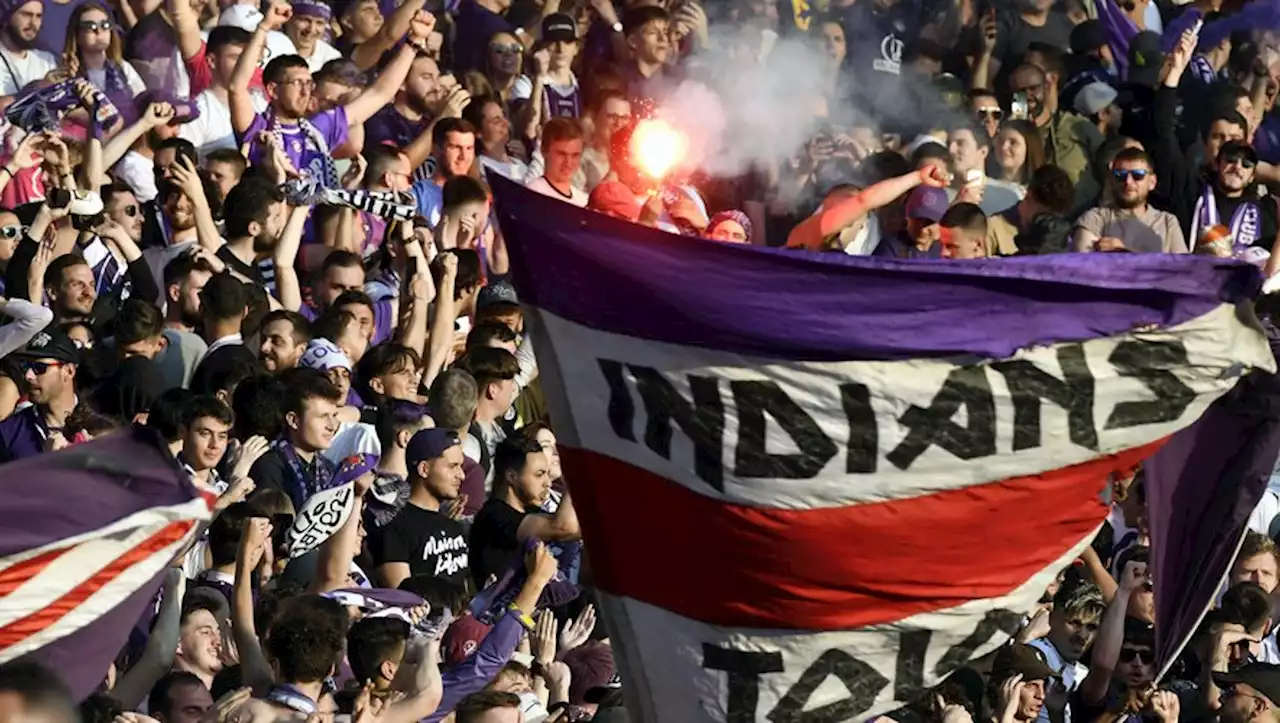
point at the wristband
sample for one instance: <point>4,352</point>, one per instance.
<point>524,619</point>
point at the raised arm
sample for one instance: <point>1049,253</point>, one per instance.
<point>157,114</point>
<point>238,96</point>
<point>412,330</point>
<point>254,544</point>
<point>810,233</point>
<point>367,54</point>
<point>392,78</point>
<point>1106,647</point>
<point>446,311</point>
<point>162,645</point>
<point>563,525</point>
<point>188,178</point>
<point>288,289</point>
<point>187,27</point>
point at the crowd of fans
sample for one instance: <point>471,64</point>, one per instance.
<point>264,231</point>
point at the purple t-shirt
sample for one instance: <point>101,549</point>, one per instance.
<point>332,125</point>
<point>387,126</point>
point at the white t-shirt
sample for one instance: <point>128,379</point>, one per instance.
<point>540,184</point>
<point>140,173</point>
<point>324,52</point>
<point>16,73</point>
<point>99,78</point>
<point>213,130</point>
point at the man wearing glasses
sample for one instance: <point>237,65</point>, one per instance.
<point>1249,694</point>
<point>1129,222</point>
<point>1070,142</point>
<point>49,366</point>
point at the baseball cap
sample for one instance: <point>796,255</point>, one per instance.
<point>591,666</point>
<point>1088,36</point>
<point>324,355</point>
<point>462,638</point>
<point>1019,659</point>
<point>600,692</point>
<point>52,343</point>
<point>429,444</point>
<point>559,26</point>
<point>1094,97</point>
<point>1145,59</point>
<point>245,17</point>
<point>499,292</point>
<point>928,203</point>
<point>1262,677</point>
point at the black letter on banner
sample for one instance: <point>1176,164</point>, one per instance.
<point>864,440</point>
<point>993,622</point>
<point>702,420</point>
<point>965,387</point>
<point>909,678</point>
<point>622,411</point>
<point>744,668</point>
<point>754,399</point>
<point>1028,384</point>
<point>862,681</point>
<point>1149,362</point>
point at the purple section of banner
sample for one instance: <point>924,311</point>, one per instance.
<point>607,274</point>
<point>1201,488</point>
<point>50,497</point>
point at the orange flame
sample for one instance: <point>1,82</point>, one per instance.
<point>656,147</point>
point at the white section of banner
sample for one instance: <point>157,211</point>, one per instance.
<point>1186,368</point>
<point>672,667</point>
<point>321,517</point>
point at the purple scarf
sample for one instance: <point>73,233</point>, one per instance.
<point>304,484</point>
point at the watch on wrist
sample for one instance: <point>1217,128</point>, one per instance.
<point>616,27</point>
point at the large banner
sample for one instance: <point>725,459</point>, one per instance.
<point>812,485</point>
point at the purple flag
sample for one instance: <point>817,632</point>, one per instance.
<point>1201,487</point>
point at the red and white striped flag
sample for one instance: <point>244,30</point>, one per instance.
<point>812,486</point>
<point>85,537</point>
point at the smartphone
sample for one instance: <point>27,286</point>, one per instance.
<point>1020,109</point>
<point>59,198</point>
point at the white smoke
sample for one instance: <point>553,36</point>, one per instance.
<point>740,113</point>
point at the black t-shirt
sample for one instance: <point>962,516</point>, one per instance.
<point>252,272</point>
<point>212,371</point>
<point>494,541</point>
<point>1266,216</point>
<point>430,542</point>
<point>1015,36</point>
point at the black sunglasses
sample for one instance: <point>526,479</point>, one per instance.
<point>1128,655</point>
<point>39,367</point>
<point>1245,162</point>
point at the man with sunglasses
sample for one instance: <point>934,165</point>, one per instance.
<point>1230,197</point>
<point>1129,222</point>
<point>1250,695</point>
<point>1122,661</point>
<point>49,365</point>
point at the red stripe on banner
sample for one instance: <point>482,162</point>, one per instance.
<point>821,569</point>
<point>22,628</point>
<point>14,576</point>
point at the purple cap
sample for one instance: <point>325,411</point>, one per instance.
<point>928,203</point>
<point>353,468</point>
<point>429,444</point>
